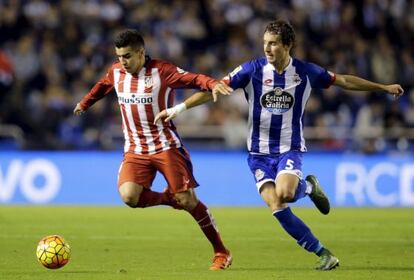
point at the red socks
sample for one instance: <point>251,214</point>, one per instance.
<point>149,198</point>
<point>208,226</point>
<point>200,213</point>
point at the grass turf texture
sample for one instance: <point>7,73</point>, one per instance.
<point>161,243</point>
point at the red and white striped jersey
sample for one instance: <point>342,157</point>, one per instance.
<point>141,96</point>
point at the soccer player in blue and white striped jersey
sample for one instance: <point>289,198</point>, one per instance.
<point>277,87</point>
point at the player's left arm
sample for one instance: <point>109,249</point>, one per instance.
<point>351,82</point>
<point>194,100</point>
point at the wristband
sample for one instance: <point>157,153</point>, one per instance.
<point>176,109</point>
<point>181,107</point>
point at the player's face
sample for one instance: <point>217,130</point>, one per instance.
<point>274,50</point>
<point>131,59</point>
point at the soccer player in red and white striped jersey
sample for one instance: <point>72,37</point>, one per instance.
<point>145,87</point>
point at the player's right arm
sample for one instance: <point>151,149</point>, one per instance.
<point>102,88</point>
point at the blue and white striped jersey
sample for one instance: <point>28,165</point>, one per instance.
<point>277,102</point>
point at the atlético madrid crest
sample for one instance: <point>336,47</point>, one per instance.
<point>148,81</point>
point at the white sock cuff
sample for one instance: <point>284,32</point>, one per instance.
<point>279,210</point>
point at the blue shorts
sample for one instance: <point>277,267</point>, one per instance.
<point>266,168</point>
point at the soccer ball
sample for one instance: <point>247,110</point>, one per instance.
<point>53,251</point>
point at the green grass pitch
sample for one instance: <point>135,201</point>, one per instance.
<point>162,243</point>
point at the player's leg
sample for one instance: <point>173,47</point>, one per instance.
<point>201,214</point>
<point>188,200</point>
<point>277,195</point>
<point>134,181</point>
<point>291,163</point>
<point>176,166</point>
<point>285,190</point>
<point>130,193</point>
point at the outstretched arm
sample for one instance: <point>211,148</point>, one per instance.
<point>194,100</point>
<point>102,88</point>
<point>351,82</point>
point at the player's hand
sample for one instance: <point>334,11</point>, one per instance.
<point>78,110</point>
<point>221,88</point>
<point>396,90</point>
<point>170,113</point>
<point>162,115</point>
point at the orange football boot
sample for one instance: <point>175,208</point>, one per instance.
<point>221,261</point>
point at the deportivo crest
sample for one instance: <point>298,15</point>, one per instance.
<point>277,101</point>
<point>259,174</point>
<point>296,79</point>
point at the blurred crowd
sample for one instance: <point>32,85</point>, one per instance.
<point>52,53</point>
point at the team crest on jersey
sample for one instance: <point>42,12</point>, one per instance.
<point>148,81</point>
<point>148,84</point>
<point>259,174</point>
<point>296,79</point>
<point>277,101</point>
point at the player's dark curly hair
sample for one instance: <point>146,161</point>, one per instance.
<point>129,38</point>
<point>284,29</point>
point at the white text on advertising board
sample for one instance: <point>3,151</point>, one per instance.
<point>24,174</point>
<point>383,184</point>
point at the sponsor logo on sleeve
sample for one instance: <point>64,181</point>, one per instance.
<point>181,71</point>
<point>235,71</point>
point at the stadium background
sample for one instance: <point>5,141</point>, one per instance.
<point>52,52</point>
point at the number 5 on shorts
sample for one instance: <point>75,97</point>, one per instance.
<point>289,164</point>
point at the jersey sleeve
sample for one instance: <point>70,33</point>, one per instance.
<point>179,78</point>
<point>102,88</point>
<point>318,76</point>
<point>240,76</point>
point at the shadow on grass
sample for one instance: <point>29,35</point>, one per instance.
<point>273,268</point>
<point>378,268</point>
<point>57,272</point>
<point>342,268</point>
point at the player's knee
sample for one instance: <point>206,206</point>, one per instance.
<point>129,194</point>
<point>288,196</point>
<point>129,200</point>
<point>186,200</point>
<point>285,195</point>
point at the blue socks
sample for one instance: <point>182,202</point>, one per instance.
<point>298,230</point>
<point>300,191</point>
